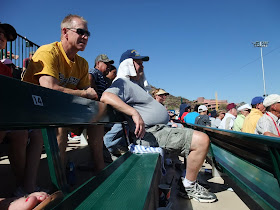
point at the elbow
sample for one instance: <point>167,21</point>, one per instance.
<point>104,97</point>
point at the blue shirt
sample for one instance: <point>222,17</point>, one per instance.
<point>100,82</point>
<point>190,118</point>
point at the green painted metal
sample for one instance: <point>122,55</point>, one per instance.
<point>274,154</point>
<point>55,167</point>
<point>125,184</point>
<point>45,108</point>
<point>256,182</point>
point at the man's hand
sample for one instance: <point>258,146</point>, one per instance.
<point>90,93</point>
<point>139,125</point>
<point>118,104</point>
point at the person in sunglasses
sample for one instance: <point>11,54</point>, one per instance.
<point>58,66</point>
<point>98,74</point>
<point>242,112</point>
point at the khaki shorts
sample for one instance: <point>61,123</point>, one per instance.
<point>175,140</point>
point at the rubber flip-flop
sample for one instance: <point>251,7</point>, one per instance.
<point>50,201</point>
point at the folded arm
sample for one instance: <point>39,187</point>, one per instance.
<point>52,83</point>
<point>118,104</point>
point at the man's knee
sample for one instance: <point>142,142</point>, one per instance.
<point>200,140</point>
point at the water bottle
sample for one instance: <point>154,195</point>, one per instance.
<point>71,175</point>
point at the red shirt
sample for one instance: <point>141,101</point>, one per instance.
<point>5,70</point>
<point>183,115</point>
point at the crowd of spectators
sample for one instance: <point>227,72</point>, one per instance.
<point>57,66</point>
<point>259,117</point>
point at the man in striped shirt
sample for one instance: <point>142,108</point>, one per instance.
<point>98,74</point>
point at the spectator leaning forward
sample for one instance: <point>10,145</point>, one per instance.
<point>268,124</point>
<point>228,120</point>
<point>250,122</point>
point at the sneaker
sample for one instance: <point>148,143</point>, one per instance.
<point>199,193</point>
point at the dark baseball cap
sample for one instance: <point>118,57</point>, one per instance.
<point>134,55</point>
<point>257,100</point>
<point>10,31</point>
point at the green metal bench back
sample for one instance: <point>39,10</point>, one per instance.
<point>262,151</point>
<point>24,105</point>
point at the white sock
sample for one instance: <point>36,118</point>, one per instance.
<point>187,183</point>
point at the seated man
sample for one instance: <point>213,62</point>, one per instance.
<point>140,110</point>
<point>190,117</point>
<point>251,120</point>
<point>24,160</point>
<point>202,118</point>
<point>228,121</point>
<point>268,124</point>
<point>58,66</point>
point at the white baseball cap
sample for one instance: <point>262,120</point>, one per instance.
<point>202,108</point>
<point>245,106</point>
<point>271,99</point>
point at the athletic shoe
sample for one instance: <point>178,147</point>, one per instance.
<point>198,193</point>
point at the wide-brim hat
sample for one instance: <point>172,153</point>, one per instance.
<point>10,31</point>
<point>161,92</point>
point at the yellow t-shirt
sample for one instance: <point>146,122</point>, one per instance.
<point>52,60</point>
<point>250,122</point>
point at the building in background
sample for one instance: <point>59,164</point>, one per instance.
<point>210,103</point>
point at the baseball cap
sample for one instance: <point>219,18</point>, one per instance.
<point>161,92</point>
<point>104,58</point>
<point>213,113</point>
<point>231,106</point>
<point>10,31</point>
<point>202,108</point>
<point>271,99</point>
<point>134,55</point>
<point>257,100</point>
<point>243,107</point>
<point>7,61</point>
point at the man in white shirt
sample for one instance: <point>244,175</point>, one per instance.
<point>268,124</point>
<point>228,120</point>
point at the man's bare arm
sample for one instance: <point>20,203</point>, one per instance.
<point>52,83</point>
<point>118,104</point>
<point>270,134</point>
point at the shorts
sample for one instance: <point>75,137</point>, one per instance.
<point>175,140</point>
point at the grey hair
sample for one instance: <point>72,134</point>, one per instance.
<point>68,21</point>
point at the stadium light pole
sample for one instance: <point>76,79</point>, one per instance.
<point>261,45</point>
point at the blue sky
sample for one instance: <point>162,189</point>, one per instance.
<point>196,47</point>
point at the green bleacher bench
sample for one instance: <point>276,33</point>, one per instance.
<point>251,161</point>
<point>129,181</point>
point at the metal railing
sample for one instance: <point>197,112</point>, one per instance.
<point>18,50</point>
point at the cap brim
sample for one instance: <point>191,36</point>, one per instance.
<point>10,31</point>
<point>143,58</point>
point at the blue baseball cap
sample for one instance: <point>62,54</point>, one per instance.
<point>257,100</point>
<point>134,55</point>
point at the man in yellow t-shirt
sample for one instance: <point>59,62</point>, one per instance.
<point>250,122</point>
<point>57,66</point>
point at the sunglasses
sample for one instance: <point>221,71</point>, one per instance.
<point>80,31</point>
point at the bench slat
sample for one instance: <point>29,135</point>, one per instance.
<point>128,183</point>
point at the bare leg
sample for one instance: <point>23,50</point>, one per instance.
<point>62,143</point>
<point>34,150</point>
<point>95,141</point>
<point>198,151</point>
<point>17,153</point>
